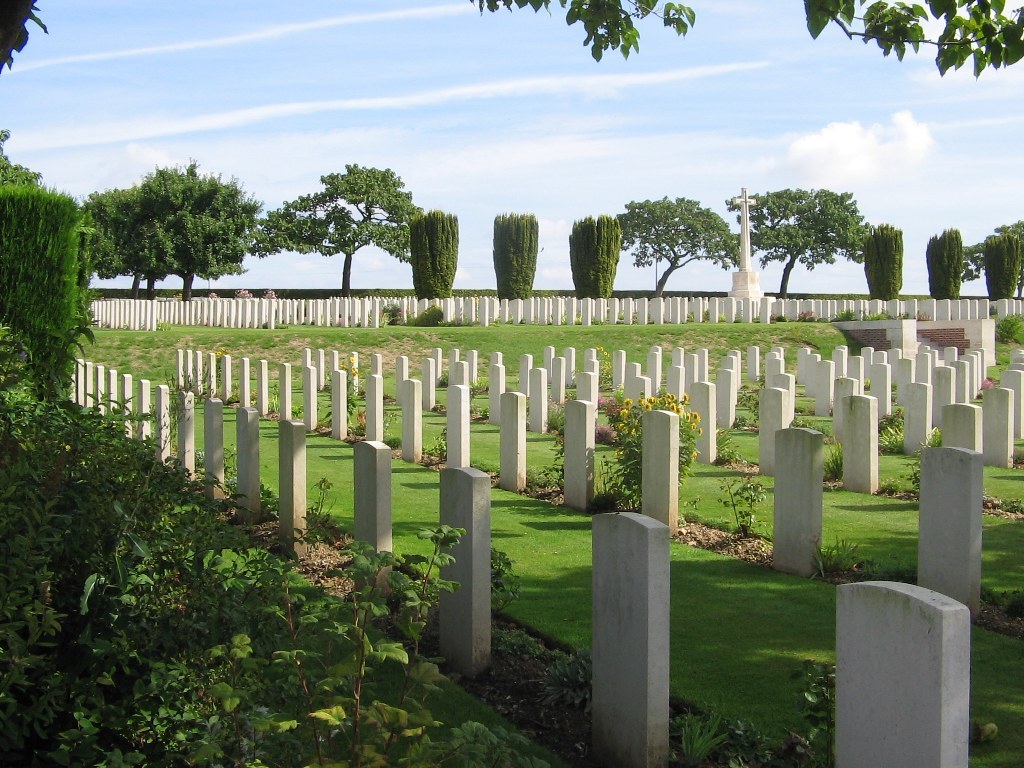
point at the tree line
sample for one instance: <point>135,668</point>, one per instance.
<point>178,221</point>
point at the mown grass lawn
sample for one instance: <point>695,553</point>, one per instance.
<point>739,632</point>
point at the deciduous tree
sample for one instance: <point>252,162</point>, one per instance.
<point>12,173</point>
<point>175,222</point>
<point>676,232</point>
<point>122,239</point>
<point>806,227</point>
<point>978,31</point>
<point>355,209</point>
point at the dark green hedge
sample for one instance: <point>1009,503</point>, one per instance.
<point>39,277</point>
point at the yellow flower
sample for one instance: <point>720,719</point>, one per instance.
<point>623,413</point>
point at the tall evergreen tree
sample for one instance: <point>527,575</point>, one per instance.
<point>945,257</point>
<point>434,248</point>
<point>594,248</point>
<point>883,262</point>
<point>515,254</point>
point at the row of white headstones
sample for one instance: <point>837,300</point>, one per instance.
<point>901,650</point>
<point>135,314</point>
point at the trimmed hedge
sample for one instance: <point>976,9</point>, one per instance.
<point>883,262</point>
<point>40,278</point>
<point>434,249</point>
<point>515,254</point>
<point>594,248</point>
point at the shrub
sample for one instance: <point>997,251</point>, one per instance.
<point>431,317</point>
<point>594,248</point>
<point>434,253</point>
<point>40,281</point>
<point>1010,330</point>
<point>883,261</point>
<point>515,254</point>
<point>945,258</point>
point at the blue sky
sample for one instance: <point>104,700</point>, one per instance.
<point>504,112</point>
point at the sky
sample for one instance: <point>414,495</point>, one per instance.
<point>497,113</point>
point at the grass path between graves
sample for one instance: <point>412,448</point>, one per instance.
<point>738,631</point>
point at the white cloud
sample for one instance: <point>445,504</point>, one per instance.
<point>260,35</point>
<point>841,155</point>
<point>173,125</point>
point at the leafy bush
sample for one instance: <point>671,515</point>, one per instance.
<point>625,475</point>
<point>1010,330</point>
<point>431,317</point>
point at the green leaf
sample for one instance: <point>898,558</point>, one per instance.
<point>90,584</point>
<point>138,547</point>
<point>334,715</point>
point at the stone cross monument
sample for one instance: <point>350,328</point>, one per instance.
<point>745,281</point>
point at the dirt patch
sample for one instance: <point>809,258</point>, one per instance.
<point>751,549</point>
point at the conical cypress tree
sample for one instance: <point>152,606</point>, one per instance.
<point>1002,265</point>
<point>594,249</point>
<point>434,253</point>
<point>945,257</point>
<point>883,262</point>
<point>515,254</point>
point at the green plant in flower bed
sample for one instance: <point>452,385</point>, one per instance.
<point>743,496</point>
<point>567,682</point>
<point>627,421</point>
<point>833,466</point>
<point>839,557</point>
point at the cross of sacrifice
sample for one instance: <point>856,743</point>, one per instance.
<point>744,201</point>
